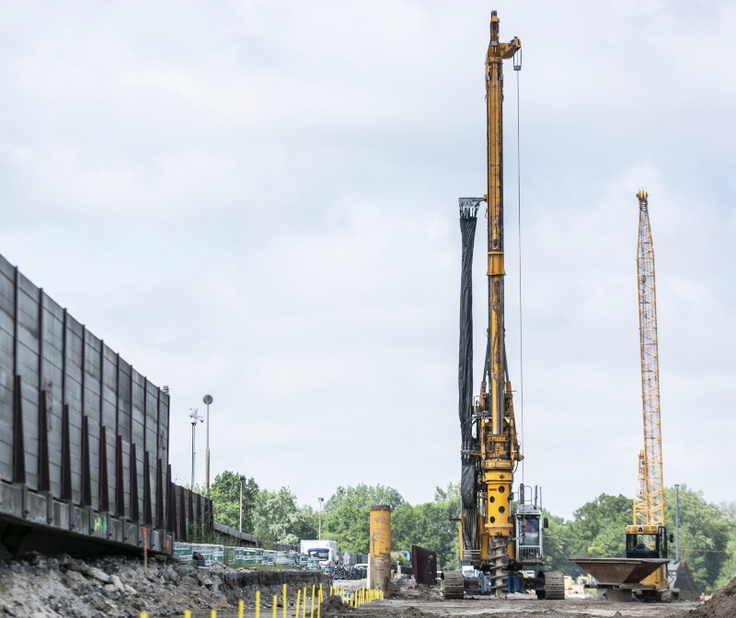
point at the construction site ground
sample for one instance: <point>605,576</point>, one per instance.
<point>40,587</point>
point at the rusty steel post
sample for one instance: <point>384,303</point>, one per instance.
<point>379,561</point>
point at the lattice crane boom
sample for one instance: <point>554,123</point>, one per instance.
<point>649,502</point>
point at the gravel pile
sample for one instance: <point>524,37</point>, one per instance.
<point>116,586</point>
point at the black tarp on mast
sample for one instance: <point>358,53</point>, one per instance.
<point>469,457</point>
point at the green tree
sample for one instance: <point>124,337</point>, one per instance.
<point>363,496</point>
<point>728,568</point>
<point>431,525</point>
<point>558,546</point>
<point>704,535</point>
<point>225,495</point>
<point>278,519</point>
<point>346,515</point>
<point>599,527</point>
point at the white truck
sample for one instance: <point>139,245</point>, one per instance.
<point>324,551</point>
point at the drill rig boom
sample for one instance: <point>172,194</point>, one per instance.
<point>499,448</point>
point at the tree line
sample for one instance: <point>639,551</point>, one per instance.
<point>707,532</point>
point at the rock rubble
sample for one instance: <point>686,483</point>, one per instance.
<point>37,586</point>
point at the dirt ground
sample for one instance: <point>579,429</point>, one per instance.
<point>41,587</point>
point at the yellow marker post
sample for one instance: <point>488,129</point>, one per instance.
<point>304,603</point>
<point>143,615</point>
<point>298,596</point>
<point>321,598</point>
<point>258,604</point>
<point>311,612</point>
<point>240,608</point>
<point>283,598</point>
<point>213,613</point>
<point>275,604</point>
<point>187,614</point>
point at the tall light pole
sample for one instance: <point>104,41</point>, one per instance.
<point>193,418</point>
<point>319,532</point>
<point>240,522</point>
<point>207,399</point>
<point>677,522</point>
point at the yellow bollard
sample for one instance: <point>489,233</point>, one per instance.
<point>321,598</point>
<point>275,604</point>
<point>240,608</point>
<point>213,613</point>
<point>296,610</point>
<point>283,598</point>
<point>258,604</point>
<point>304,603</point>
<point>311,612</point>
<point>143,614</point>
<point>187,614</point>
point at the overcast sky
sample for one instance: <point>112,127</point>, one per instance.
<point>258,200</point>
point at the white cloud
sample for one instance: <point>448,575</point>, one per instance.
<point>258,200</point>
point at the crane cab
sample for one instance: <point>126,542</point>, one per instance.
<point>646,541</point>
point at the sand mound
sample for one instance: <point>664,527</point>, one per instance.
<point>721,605</point>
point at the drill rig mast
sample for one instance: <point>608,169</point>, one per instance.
<point>499,447</point>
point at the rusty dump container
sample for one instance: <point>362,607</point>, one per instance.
<point>618,571</point>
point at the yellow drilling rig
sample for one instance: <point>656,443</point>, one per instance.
<point>500,541</point>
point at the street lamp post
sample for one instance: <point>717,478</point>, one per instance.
<point>207,399</point>
<point>240,521</point>
<point>319,532</point>
<point>193,418</point>
<point>677,522</point>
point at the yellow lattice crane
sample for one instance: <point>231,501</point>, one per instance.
<point>643,572</point>
<point>647,536</point>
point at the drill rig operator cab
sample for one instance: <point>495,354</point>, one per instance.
<point>529,536</point>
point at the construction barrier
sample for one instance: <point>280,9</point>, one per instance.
<point>314,600</point>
